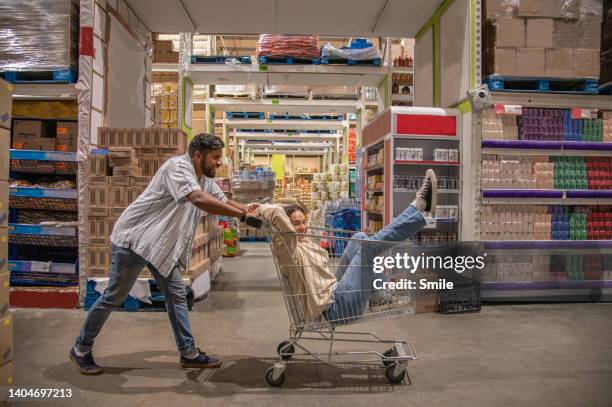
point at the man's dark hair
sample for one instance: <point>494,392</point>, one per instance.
<point>205,143</point>
<point>289,210</point>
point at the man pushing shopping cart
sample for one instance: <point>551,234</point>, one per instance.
<point>322,292</point>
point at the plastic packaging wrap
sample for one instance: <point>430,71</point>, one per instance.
<point>344,92</point>
<point>296,46</point>
<point>566,9</point>
<point>236,90</point>
<point>276,90</point>
<point>357,54</point>
<point>38,35</point>
<point>253,186</point>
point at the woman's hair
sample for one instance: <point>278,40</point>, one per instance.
<point>289,210</point>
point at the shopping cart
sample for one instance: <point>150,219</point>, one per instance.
<point>304,264</point>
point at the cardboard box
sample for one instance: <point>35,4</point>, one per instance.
<point>6,339</point>
<point>6,104</point>
<point>66,136</point>
<point>164,46</point>
<point>178,141</point>
<point>166,56</point>
<point>120,180</point>
<point>98,195</point>
<point>5,281</point>
<point>98,257</point>
<point>4,203</point>
<point>5,146</point>
<point>150,152</point>
<point>127,171</point>
<point>99,180</point>
<point>97,227</point>
<point>586,63</point>
<point>560,63</point>
<point>27,133</point>
<point>510,33</point>
<point>98,165</point>
<point>539,33</point>
<point>46,144</point>
<point>531,62</point>
<point>502,61</point>
<point>6,374</point>
<point>426,303</point>
<point>118,197</point>
<point>97,272</point>
<point>149,166</point>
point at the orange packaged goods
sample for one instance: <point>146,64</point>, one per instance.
<point>296,46</point>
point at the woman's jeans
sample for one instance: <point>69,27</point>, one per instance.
<point>355,272</point>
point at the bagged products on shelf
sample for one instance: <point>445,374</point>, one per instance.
<point>369,52</point>
<point>296,46</point>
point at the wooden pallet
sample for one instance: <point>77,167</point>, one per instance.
<point>501,83</point>
<point>56,76</point>
<point>287,61</point>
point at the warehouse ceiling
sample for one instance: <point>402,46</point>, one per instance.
<point>384,18</point>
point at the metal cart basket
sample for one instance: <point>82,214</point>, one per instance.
<point>319,308</point>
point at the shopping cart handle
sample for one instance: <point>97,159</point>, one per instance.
<point>252,221</point>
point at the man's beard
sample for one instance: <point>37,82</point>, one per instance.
<point>209,172</point>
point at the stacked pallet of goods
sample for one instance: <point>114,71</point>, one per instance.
<point>543,38</point>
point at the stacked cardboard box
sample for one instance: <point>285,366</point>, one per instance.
<point>164,52</point>
<point>543,38</point>
<point>116,179</point>
<point>6,325</point>
<point>207,246</point>
<point>165,93</point>
<point>45,135</point>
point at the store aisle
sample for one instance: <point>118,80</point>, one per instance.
<point>556,354</point>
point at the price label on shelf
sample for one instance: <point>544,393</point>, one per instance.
<point>515,110</point>
<point>275,101</point>
<point>263,68</point>
<point>431,223</point>
<point>578,113</point>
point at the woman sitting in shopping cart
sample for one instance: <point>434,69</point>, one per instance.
<point>312,290</point>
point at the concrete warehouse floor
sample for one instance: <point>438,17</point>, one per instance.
<point>519,355</point>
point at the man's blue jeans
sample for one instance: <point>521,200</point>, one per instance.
<point>355,273</point>
<point>125,268</point>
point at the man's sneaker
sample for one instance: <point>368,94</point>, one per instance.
<point>386,301</point>
<point>202,361</point>
<point>428,192</point>
<point>85,363</point>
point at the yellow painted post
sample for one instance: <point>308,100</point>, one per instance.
<point>278,165</point>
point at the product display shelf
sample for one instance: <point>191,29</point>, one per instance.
<point>398,134</point>
<point>43,257</point>
<point>299,75</point>
<point>283,105</point>
<point>562,270</point>
<point>44,91</point>
<point>43,162</point>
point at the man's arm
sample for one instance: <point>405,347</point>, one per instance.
<point>248,208</point>
<point>214,206</point>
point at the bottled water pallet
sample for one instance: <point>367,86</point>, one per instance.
<point>287,61</point>
<point>246,115</point>
<point>342,61</point>
<point>219,59</point>
<point>583,86</point>
<point>57,76</point>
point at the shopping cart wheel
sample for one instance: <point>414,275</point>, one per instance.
<point>289,349</point>
<point>391,353</point>
<point>272,381</point>
<point>392,376</point>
